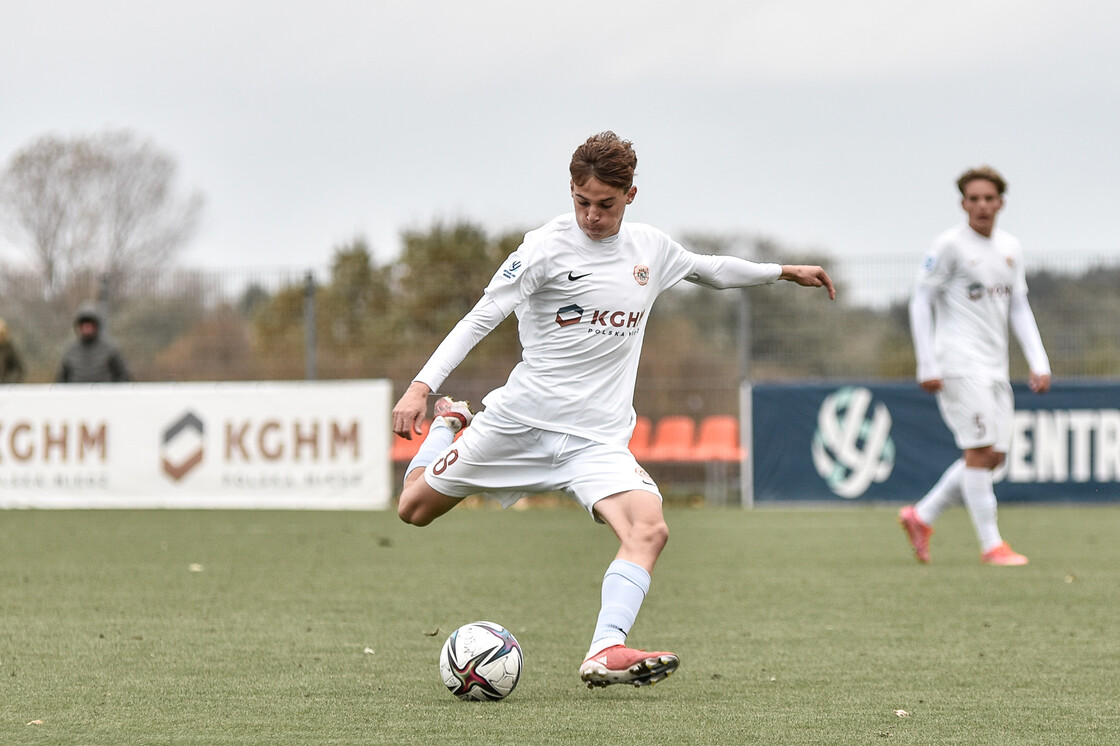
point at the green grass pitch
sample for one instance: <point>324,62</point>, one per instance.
<point>794,626</point>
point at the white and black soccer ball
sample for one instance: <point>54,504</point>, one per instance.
<point>480,661</point>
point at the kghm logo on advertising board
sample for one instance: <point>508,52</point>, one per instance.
<point>182,449</point>
<point>852,446</point>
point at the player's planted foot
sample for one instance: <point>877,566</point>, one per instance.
<point>917,531</point>
<point>457,414</point>
<point>619,664</point>
<point>1003,554</point>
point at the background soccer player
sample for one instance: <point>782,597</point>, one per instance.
<point>582,286</point>
<point>971,284</point>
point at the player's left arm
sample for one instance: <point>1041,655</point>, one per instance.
<point>722,272</point>
<point>1026,331</point>
<point>810,276</point>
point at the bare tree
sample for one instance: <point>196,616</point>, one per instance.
<point>102,205</point>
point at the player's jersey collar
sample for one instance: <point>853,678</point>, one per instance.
<point>608,242</point>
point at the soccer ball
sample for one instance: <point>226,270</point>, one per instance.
<point>481,661</point>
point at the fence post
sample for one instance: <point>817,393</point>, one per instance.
<point>103,302</point>
<point>746,474</point>
<point>311,372</point>
<point>744,334</point>
<point>746,439</point>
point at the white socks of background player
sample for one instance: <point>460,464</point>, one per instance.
<point>945,494</point>
<point>439,437</point>
<point>624,588</point>
<point>980,499</point>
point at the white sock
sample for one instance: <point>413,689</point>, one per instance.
<point>439,437</point>
<point>624,588</point>
<point>945,494</point>
<point>980,499</point>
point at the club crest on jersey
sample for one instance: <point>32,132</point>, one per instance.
<point>1010,261</point>
<point>929,262</point>
<point>641,273</point>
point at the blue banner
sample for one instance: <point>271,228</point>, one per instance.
<point>887,442</point>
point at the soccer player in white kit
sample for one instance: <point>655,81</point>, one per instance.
<point>970,285</point>
<point>582,287</point>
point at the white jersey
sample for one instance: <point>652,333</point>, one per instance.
<point>582,308</point>
<point>973,279</point>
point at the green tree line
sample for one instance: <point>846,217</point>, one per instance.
<point>382,320</point>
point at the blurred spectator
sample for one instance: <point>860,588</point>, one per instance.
<point>91,358</point>
<point>11,367</point>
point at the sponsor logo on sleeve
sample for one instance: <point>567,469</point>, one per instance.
<point>511,270</point>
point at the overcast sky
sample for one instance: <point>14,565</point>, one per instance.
<point>828,125</point>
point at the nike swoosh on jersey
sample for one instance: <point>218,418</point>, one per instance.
<point>573,278</point>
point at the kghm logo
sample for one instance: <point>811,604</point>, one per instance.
<point>574,314</point>
<point>182,449</point>
<point>569,315</point>
<point>851,448</point>
<point>976,291</point>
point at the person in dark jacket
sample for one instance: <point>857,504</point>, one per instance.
<point>11,367</point>
<point>92,358</point>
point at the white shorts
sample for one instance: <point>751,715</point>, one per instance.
<point>507,460</point>
<point>979,412</point>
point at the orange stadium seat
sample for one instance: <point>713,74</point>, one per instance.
<point>403,450</point>
<point>639,440</point>
<point>673,439</point>
<point>718,439</point>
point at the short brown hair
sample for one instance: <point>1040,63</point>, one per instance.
<point>606,157</point>
<point>982,172</point>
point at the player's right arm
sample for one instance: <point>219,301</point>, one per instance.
<point>921,330</point>
<point>934,274</point>
<point>409,413</point>
<point>515,280</point>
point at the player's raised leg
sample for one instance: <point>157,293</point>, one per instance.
<point>637,519</point>
<point>419,504</point>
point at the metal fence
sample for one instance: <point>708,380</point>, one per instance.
<point>252,324</point>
